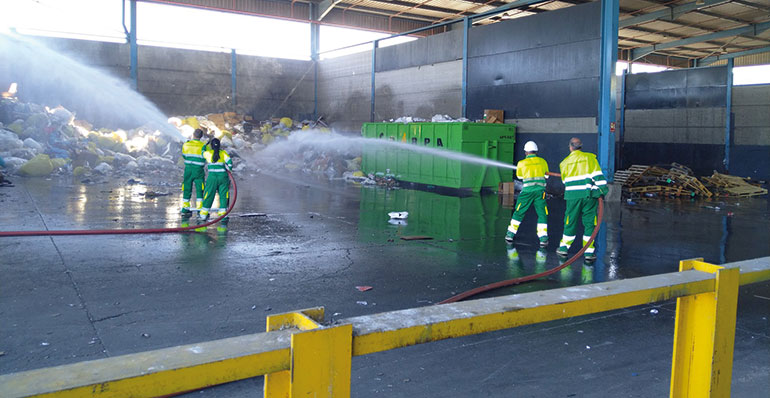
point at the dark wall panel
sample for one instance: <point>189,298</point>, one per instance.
<point>563,98</point>
<point>703,159</point>
<point>688,88</point>
<point>541,66</point>
<point>750,161</point>
<point>565,61</point>
<point>571,24</point>
<point>433,49</point>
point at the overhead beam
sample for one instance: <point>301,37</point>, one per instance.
<point>325,6</point>
<point>752,5</point>
<point>753,29</point>
<point>414,6</point>
<point>710,60</point>
<point>668,13</point>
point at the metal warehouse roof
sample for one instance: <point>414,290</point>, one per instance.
<point>671,32</point>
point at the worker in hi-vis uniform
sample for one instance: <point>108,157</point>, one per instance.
<point>218,162</point>
<point>584,183</point>
<point>532,170</point>
<point>192,153</point>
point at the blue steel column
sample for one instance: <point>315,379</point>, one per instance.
<point>466,29</point>
<point>728,113</point>
<point>133,47</point>
<point>622,121</point>
<point>315,43</point>
<point>374,64</point>
<point>609,57</point>
<point>233,78</point>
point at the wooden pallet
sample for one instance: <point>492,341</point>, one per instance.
<point>656,171</point>
<point>745,191</point>
<point>629,177</point>
<point>733,185</point>
<point>646,189</point>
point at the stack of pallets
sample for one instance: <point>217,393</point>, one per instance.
<point>678,180</point>
<point>727,185</point>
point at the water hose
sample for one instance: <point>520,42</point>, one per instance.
<point>129,231</point>
<point>516,281</point>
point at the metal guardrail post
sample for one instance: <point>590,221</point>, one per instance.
<point>704,337</point>
<point>320,357</point>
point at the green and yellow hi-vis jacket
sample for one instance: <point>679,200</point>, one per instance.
<point>582,176</point>
<point>220,166</point>
<point>532,172</point>
<point>192,153</point>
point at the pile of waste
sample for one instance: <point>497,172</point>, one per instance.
<point>38,141</point>
<point>435,119</point>
<point>678,180</point>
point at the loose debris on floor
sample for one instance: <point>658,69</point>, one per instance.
<point>677,180</point>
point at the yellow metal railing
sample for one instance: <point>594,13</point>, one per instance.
<point>301,356</point>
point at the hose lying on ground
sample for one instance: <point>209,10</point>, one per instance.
<point>129,231</point>
<point>516,281</point>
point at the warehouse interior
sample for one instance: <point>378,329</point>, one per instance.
<point>673,98</point>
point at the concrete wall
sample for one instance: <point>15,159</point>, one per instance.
<point>679,116</point>
<point>750,153</point>
<point>185,82</point>
<point>421,78</point>
<point>344,90</point>
<point>542,70</point>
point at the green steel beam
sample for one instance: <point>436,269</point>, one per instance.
<point>753,29</point>
<point>710,60</point>
<point>668,13</point>
<point>325,7</point>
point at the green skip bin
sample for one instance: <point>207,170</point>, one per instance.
<point>485,140</point>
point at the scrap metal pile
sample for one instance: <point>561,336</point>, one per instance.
<point>678,180</point>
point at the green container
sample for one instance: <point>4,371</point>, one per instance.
<point>486,140</point>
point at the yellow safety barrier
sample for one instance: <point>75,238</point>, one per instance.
<point>301,356</point>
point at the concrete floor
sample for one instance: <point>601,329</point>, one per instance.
<point>71,299</point>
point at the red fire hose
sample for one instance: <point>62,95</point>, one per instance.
<point>516,281</point>
<point>129,231</point>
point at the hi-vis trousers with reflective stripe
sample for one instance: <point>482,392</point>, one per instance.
<point>193,178</point>
<point>526,199</point>
<point>216,183</point>
<point>584,209</point>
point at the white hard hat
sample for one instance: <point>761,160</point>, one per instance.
<point>530,146</point>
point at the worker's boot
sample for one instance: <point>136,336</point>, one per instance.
<point>513,227</point>
<point>590,254</point>
<point>185,208</point>
<point>566,242</point>
<point>198,204</point>
<point>203,215</point>
<point>509,236</point>
<point>542,234</point>
<point>222,213</point>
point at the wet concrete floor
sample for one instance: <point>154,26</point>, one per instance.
<point>74,298</point>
